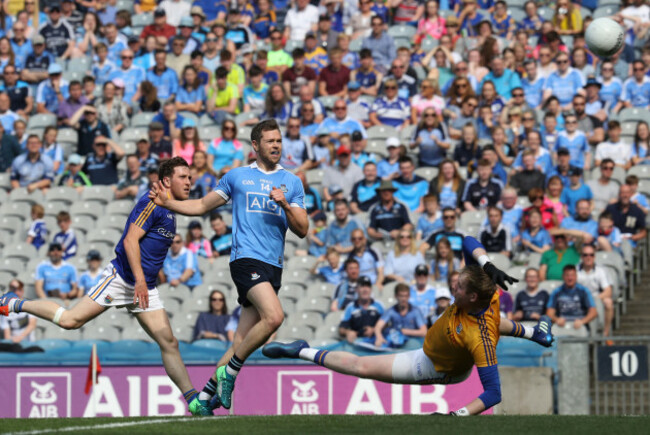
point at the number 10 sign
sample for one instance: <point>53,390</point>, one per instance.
<point>623,363</point>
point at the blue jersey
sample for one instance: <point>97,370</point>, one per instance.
<point>540,239</point>
<point>410,192</point>
<point>571,303</point>
<point>611,92</point>
<point>413,319</point>
<point>577,145</point>
<point>159,225</point>
<point>175,266</point>
<point>38,231</point>
<point>427,227</point>
<point>68,241</point>
<point>259,224</point>
<point>570,196</point>
<point>424,301</point>
<point>367,79</point>
<point>391,112</point>
<point>166,83</point>
<point>86,281</point>
<point>637,94</point>
<point>59,277</point>
<point>589,226</point>
<point>132,78</point>
<point>533,91</point>
<point>564,88</point>
<point>102,72</point>
<point>331,275</point>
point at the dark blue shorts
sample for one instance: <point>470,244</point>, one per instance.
<point>248,272</point>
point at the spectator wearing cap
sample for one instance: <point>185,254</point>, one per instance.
<point>88,128</point>
<point>70,106</point>
<point>401,262</point>
<point>346,174</point>
<point>129,186</point>
<point>388,168</point>
<point>56,278</point>
<point>147,159</point>
<point>358,145</point>
<point>335,192</point>
<point>300,19</point>
<point>339,232</point>
<point>58,33</point>
<point>197,242</point>
<point>186,33</point>
<point>628,217</point>
<point>423,295</point>
<point>361,316</point>
<point>574,192</point>
<point>175,10</point>
<point>364,192</point>
<point>400,321</point>
<point>563,167</point>
<point>66,237</point>
<point>51,92</point>
<point>604,188</point>
<point>162,77</point>
<point>159,144</point>
<point>380,44</point>
<point>594,106</point>
<point>211,11</point>
<point>91,277</point>
<point>37,63</point>
<point>130,74</point>
<point>390,109</point>
<point>32,169</point>
<point>554,260</point>
<point>357,108</point>
<point>571,304</point>
<point>388,217</point>
<point>615,149</point>
<point>73,176</point>
<point>20,96</point>
<point>160,27</point>
<point>297,74</point>
<point>181,266</point>
<point>101,163</point>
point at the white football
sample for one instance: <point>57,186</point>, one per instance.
<point>604,37</point>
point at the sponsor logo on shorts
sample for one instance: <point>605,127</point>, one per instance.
<point>255,276</point>
<point>108,299</point>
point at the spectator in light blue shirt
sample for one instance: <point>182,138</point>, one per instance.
<point>181,265</point>
<point>636,89</point>
<point>102,67</point>
<point>21,46</point>
<point>162,77</point>
<point>504,79</point>
<point>571,305</point>
<point>533,85</point>
<point>581,225</point>
<point>340,231</point>
<point>93,275</point>
<point>563,83</point>
<point>401,321</point>
<point>32,169</point>
<point>381,44</point>
<point>130,74</point>
<point>51,91</point>
<point>55,277</point>
<point>575,191</point>
<point>332,273</point>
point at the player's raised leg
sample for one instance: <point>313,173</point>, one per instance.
<point>540,333</point>
<point>156,324</point>
<point>266,303</point>
<point>74,318</point>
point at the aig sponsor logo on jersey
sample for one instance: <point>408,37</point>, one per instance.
<point>261,203</point>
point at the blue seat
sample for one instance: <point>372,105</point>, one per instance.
<point>211,344</point>
<point>49,344</point>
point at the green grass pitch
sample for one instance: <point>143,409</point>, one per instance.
<point>371,425</point>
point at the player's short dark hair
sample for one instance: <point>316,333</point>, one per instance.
<point>87,79</point>
<point>221,72</point>
<point>215,217</point>
<point>298,53</point>
<point>341,201</point>
<point>402,287</point>
<point>405,159</point>
<point>74,83</point>
<point>365,53</point>
<point>195,54</point>
<point>495,208</point>
<point>569,267</point>
<point>613,124</point>
<point>159,51</point>
<point>606,161</point>
<point>225,54</point>
<point>168,167</point>
<point>475,280</point>
<point>63,216</point>
<point>632,180</point>
<point>260,127</point>
<point>255,71</point>
<point>350,261</point>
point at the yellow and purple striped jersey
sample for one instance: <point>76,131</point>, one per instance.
<point>458,340</point>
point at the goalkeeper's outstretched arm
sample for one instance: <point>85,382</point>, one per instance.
<point>475,253</point>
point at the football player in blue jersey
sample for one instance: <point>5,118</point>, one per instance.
<point>266,201</point>
<point>130,280</point>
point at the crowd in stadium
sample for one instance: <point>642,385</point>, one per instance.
<point>411,124</point>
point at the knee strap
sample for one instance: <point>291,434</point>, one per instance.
<point>57,315</point>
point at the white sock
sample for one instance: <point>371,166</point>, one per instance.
<point>528,331</point>
<point>12,305</point>
<point>308,354</point>
<point>204,396</point>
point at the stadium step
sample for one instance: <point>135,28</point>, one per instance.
<point>636,321</point>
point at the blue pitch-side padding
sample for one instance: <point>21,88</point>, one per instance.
<point>211,344</point>
<point>87,345</point>
<point>52,343</point>
<point>132,346</point>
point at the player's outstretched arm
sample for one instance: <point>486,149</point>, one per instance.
<point>475,253</point>
<point>491,393</point>
<point>161,196</point>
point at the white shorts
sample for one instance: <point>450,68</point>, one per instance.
<point>112,291</point>
<point>415,367</point>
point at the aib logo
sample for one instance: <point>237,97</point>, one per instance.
<point>43,395</point>
<point>304,392</point>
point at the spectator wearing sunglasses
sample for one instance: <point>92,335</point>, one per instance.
<point>604,188</point>
<point>212,323</point>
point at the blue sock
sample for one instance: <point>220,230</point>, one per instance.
<point>190,395</point>
<point>16,305</point>
<point>320,357</point>
<point>517,329</point>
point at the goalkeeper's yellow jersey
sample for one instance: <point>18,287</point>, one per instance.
<point>458,340</point>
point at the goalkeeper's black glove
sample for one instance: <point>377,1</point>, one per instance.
<point>498,276</point>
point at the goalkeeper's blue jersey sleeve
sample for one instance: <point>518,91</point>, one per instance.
<point>469,245</point>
